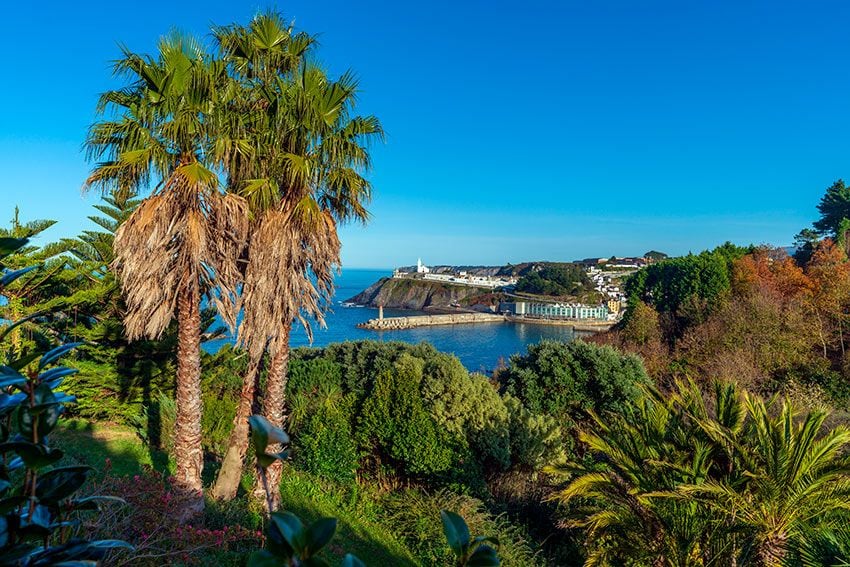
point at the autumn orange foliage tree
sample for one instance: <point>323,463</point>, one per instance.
<point>783,325</point>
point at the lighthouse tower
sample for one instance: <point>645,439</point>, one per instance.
<point>421,268</point>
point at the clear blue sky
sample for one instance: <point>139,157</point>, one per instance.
<point>523,130</point>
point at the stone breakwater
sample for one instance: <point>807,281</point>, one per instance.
<point>399,323</point>
<point>396,323</point>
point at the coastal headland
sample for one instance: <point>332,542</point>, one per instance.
<point>577,295</point>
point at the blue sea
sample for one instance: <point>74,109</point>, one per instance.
<point>479,346</point>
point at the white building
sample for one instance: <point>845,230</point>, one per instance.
<point>421,268</point>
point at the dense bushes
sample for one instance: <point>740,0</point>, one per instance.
<point>394,422</point>
<point>415,413</point>
<point>411,514</point>
<point>325,444</point>
<point>565,380</point>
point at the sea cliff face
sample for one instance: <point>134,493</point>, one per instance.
<point>414,294</point>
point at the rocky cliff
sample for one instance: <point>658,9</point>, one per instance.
<point>415,294</point>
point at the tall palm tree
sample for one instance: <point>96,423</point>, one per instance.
<point>305,176</point>
<point>262,57</point>
<point>158,132</point>
<point>795,475</point>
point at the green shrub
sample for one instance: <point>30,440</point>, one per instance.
<point>536,439</point>
<point>468,407</point>
<point>324,444</point>
<point>411,514</point>
<point>565,380</point>
<point>395,423</point>
<point>313,375</point>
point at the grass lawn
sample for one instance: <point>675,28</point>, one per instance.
<point>358,532</point>
<point>92,443</point>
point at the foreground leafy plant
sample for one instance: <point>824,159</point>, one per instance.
<point>37,504</point>
<point>468,551</point>
<point>288,540</point>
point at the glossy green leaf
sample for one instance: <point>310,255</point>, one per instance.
<point>291,528</point>
<point>483,556</point>
<point>34,456</point>
<point>60,483</point>
<point>456,531</point>
<point>46,409</point>
<point>6,381</point>
<point>318,535</point>
<point>55,354</point>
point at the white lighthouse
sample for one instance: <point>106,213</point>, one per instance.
<point>421,268</point>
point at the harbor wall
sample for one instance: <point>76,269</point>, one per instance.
<point>392,323</point>
<point>398,323</point>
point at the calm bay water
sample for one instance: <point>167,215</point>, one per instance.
<point>479,346</point>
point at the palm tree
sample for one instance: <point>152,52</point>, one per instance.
<point>794,475</point>
<point>266,53</point>
<point>304,177</point>
<point>183,239</point>
<point>643,453</point>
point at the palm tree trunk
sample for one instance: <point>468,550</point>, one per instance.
<point>188,453</point>
<point>772,551</point>
<point>227,482</point>
<point>274,398</point>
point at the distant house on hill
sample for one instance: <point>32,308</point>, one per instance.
<point>593,261</point>
<point>614,262</point>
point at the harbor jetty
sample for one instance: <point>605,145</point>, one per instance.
<point>397,323</point>
<point>400,323</point>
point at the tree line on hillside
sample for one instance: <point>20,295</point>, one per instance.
<point>556,280</point>
<point>756,315</point>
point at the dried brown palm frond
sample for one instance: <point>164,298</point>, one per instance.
<point>289,275</point>
<point>185,233</point>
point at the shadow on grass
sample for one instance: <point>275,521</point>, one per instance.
<point>119,452</point>
<point>88,443</point>
<point>356,533</point>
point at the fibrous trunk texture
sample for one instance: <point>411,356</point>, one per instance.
<point>227,482</point>
<point>274,398</point>
<point>188,452</point>
<point>772,551</point>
